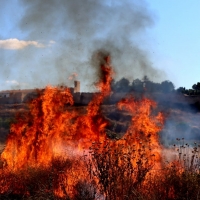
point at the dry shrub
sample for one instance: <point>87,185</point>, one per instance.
<point>35,183</point>
<point>179,179</point>
<point>119,169</point>
<point>114,172</point>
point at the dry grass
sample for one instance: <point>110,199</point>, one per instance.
<point>114,172</point>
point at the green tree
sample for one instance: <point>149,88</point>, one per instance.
<point>167,86</point>
<point>137,85</point>
<point>123,85</point>
<point>194,87</point>
<point>181,90</point>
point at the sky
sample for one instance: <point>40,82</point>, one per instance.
<point>176,37</point>
<point>53,42</point>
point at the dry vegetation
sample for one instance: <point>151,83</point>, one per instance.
<point>117,156</point>
<point>113,170</point>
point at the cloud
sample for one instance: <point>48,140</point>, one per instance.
<point>16,44</point>
<point>12,82</point>
<point>51,43</point>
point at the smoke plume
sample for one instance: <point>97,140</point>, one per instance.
<point>77,28</point>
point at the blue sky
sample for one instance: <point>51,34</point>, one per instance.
<point>47,43</point>
<point>177,39</point>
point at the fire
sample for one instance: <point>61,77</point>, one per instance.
<point>52,126</point>
<point>144,124</point>
<point>36,135</point>
<point>91,126</point>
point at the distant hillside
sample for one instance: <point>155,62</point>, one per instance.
<point>169,99</point>
<point>182,112</point>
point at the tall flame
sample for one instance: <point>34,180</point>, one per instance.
<point>38,136</point>
<point>145,125</point>
<point>52,126</point>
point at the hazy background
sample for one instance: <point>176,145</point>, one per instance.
<point>52,41</point>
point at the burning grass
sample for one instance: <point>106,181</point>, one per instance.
<point>109,170</point>
<point>54,152</point>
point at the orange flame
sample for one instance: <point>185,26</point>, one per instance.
<point>144,125</point>
<point>37,136</point>
<point>52,125</point>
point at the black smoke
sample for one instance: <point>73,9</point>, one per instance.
<point>80,27</point>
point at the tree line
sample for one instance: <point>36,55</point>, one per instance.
<point>146,85</point>
<point>137,85</point>
<point>195,90</point>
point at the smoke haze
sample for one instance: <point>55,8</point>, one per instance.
<point>71,30</point>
